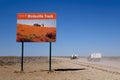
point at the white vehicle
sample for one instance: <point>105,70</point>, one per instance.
<point>74,56</point>
<point>95,57</point>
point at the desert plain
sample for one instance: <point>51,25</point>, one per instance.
<point>31,33</point>
<point>63,68</point>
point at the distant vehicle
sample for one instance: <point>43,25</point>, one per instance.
<point>38,25</point>
<point>95,57</point>
<point>74,56</point>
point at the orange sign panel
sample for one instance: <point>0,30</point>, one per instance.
<point>36,27</point>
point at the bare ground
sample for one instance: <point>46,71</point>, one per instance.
<point>36,68</point>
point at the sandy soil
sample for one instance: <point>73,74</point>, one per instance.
<point>36,68</point>
<point>30,33</point>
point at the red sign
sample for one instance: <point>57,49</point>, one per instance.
<point>31,16</point>
<point>36,27</point>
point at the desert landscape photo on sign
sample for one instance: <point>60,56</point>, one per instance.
<point>36,27</point>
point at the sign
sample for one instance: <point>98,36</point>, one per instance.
<point>36,27</point>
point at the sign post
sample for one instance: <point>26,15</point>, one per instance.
<point>22,56</point>
<point>50,57</point>
<point>36,27</point>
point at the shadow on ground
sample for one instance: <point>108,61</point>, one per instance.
<point>70,69</point>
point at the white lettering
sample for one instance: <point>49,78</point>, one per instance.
<point>35,16</point>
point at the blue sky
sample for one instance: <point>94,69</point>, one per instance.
<point>83,27</point>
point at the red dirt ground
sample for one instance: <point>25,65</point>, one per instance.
<point>30,33</point>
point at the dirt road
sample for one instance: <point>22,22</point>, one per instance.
<point>63,69</point>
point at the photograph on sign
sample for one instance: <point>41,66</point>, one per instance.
<point>36,27</point>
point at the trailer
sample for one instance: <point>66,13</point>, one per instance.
<point>95,57</point>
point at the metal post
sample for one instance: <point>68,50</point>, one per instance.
<point>22,56</point>
<point>50,57</point>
